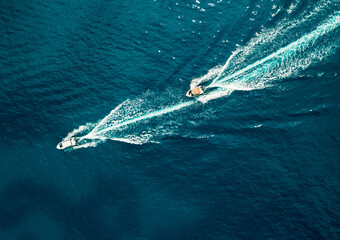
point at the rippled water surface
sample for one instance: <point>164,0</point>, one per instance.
<point>255,157</point>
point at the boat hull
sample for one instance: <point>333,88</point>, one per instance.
<point>67,143</point>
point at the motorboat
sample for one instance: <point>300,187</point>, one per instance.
<point>196,91</point>
<point>67,143</point>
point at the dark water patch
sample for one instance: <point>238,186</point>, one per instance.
<point>79,219</point>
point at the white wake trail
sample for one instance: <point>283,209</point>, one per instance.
<point>138,121</point>
<point>292,48</point>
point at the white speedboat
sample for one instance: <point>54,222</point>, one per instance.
<point>67,143</point>
<point>196,91</point>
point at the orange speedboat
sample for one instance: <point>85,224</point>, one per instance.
<point>195,92</point>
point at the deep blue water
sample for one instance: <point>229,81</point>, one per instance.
<point>257,159</point>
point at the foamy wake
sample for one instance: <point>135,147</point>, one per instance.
<point>266,58</point>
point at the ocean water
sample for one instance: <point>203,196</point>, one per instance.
<point>255,157</point>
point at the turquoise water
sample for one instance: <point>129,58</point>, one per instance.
<point>255,157</point>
